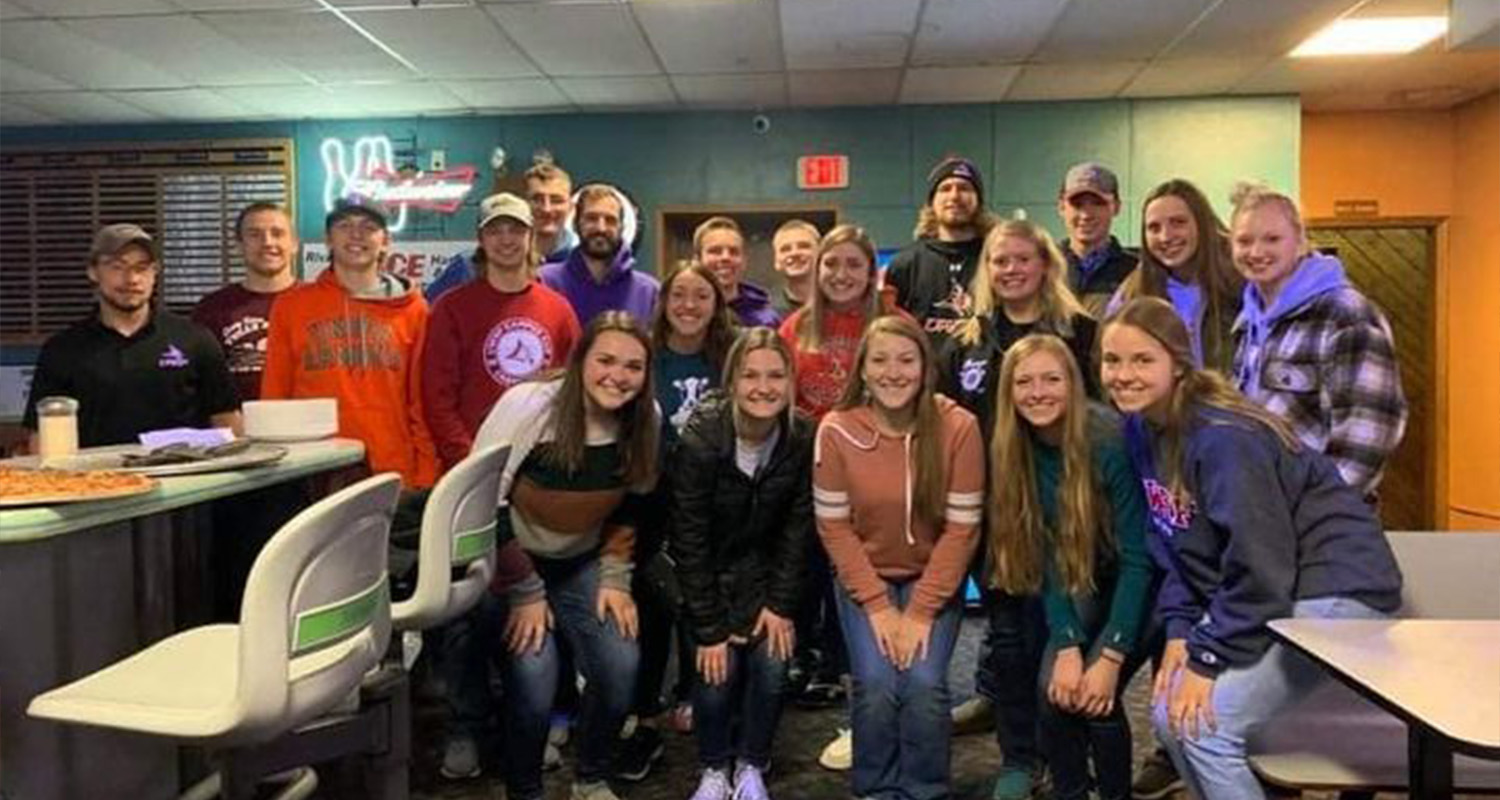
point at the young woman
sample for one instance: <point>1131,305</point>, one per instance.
<point>690,339</point>
<point>741,521</point>
<point>1250,526</point>
<point>1067,521</point>
<point>582,451</point>
<point>1186,261</point>
<point>1309,346</point>
<point>898,485</point>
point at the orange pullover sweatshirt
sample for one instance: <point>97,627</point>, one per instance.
<point>863,484</point>
<point>363,351</point>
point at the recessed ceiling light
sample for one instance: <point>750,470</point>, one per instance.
<point>1360,36</point>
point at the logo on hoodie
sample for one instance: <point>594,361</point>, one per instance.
<point>515,349</point>
<point>971,374</point>
<point>172,358</point>
<point>1169,513</point>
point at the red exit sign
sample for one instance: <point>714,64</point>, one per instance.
<point>823,172</point>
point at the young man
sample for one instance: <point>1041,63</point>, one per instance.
<point>131,367</point>
<point>491,333</point>
<point>795,247</point>
<point>931,275</point>
<point>719,244</point>
<point>549,190</point>
<point>1088,202</point>
<point>239,315</point>
<point>600,275</point>
<point>355,334</point>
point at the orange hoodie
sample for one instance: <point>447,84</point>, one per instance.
<point>363,351</point>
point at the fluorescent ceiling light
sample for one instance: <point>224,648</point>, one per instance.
<point>1357,36</point>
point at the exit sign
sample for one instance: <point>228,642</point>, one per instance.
<point>823,172</point>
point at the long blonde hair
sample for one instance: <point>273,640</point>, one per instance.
<point>810,324</point>
<point>1017,530</point>
<point>1058,303</point>
<point>930,493</point>
<point>1193,387</point>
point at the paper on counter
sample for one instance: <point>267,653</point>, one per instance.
<point>198,437</point>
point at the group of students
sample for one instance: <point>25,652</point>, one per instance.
<point>1134,461</point>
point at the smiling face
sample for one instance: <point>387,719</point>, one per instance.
<point>955,202</point>
<point>550,203</point>
<point>1267,248</point>
<point>892,371</point>
<point>506,243</point>
<point>1087,216</point>
<point>599,228</point>
<point>722,250</point>
<point>1039,388</point>
<point>763,386</point>
<point>614,370</point>
<point>267,242</point>
<point>690,305</point>
<point>1137,371</point>
<point>1171,231</point>
<point>844,276</point>
<point>126,279</point>
<point>1017,268</point>
<point>795,249</point>
<point>357,242</point>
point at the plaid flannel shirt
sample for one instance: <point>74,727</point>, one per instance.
<point>1329,369</point>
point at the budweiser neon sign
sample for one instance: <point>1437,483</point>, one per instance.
<point>368,172</point>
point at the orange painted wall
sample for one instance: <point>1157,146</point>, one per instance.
<point>1436,164</point>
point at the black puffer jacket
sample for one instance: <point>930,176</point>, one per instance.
<point>739,542</point>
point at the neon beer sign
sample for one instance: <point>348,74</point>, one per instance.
<point>368,172</point>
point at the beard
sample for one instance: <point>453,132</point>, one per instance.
<point>123,305</point>
<point>602,246</point>
<point>957,217</point>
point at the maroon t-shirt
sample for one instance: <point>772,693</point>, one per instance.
<point>239,319</point>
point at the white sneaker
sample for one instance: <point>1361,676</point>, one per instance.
<point>839,754</point>
<point>460,758</point>
<point>551,758</point>
<point>714,785</point>
<point>749,784</point>
<point>594,791</point>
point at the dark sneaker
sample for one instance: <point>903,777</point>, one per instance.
<point>821,693</point>
<point>638,753</point>
<point>1156,779</point>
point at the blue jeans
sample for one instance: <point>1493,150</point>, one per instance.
<point>1214,765</point>
<point>756,681</point>
<point>1006,673</point>
<point>902,728</point>
<point>467,646</point>
<point>607,660</point>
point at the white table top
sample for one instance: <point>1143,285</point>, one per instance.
<point>1443,673</point>
<point>303,458</point>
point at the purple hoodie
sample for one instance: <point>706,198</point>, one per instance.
<point>752,307</point>
<point>623,289</point>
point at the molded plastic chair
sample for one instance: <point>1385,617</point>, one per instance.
<point>315,620</point>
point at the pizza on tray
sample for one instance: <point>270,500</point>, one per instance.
<point>28,486</point>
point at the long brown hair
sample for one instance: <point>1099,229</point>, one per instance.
<point>1193,387</point>
<point>721,328</point>
<point>1017,530</point>
<point>927,224</point>
<point>752,339</point>
<point>1211,268</point>
<point>930,468</point>
<point>1058,303</point>
<point>810,324</point>
<point>639,425</point>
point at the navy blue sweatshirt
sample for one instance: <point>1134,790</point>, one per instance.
<point>1264,527</point>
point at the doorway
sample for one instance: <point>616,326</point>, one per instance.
<point>1395,264</point>
<point>676,224</point>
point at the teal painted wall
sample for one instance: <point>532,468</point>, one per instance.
<point>717,157</point>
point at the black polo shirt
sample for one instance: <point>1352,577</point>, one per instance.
<point>170,373</point>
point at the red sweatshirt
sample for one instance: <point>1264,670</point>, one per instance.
<point>480,342</point>
<point>862,491</point>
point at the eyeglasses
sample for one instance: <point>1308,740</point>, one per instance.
<point>120,266</point>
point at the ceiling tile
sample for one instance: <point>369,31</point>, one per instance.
<point>414,97</point>
<point>957,84</point>
<point>677,30</point>
<point>1241,28</point>
<point>578,40</point>
<point>17,78</point>
<point>1402,8</point>
<point>1178,77</point>
<point>958,33</point>
<point>849,87</point>
<point>649,91</point>
<point>448,42</point>
<point>732,91</point>
<point>97,8</point>
<point>16,114</point>
<point>50,48</point>
<point>292,101</point>
<point>200,55</point>
<point>248,5</point>
<point>11,10</point>
<point>89,107</point>
<point>319,44</point>
<point>1390,74</point>
<point>523,93</point>
<point>183,104</point>
<point>847,34</point>
<point>1073,81</point>
<point>1118,30</point>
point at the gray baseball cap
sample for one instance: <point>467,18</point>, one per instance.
<point>111,239</point>
<point>1091,178</point>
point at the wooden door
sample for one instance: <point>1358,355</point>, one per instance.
<point>1395,267</point>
